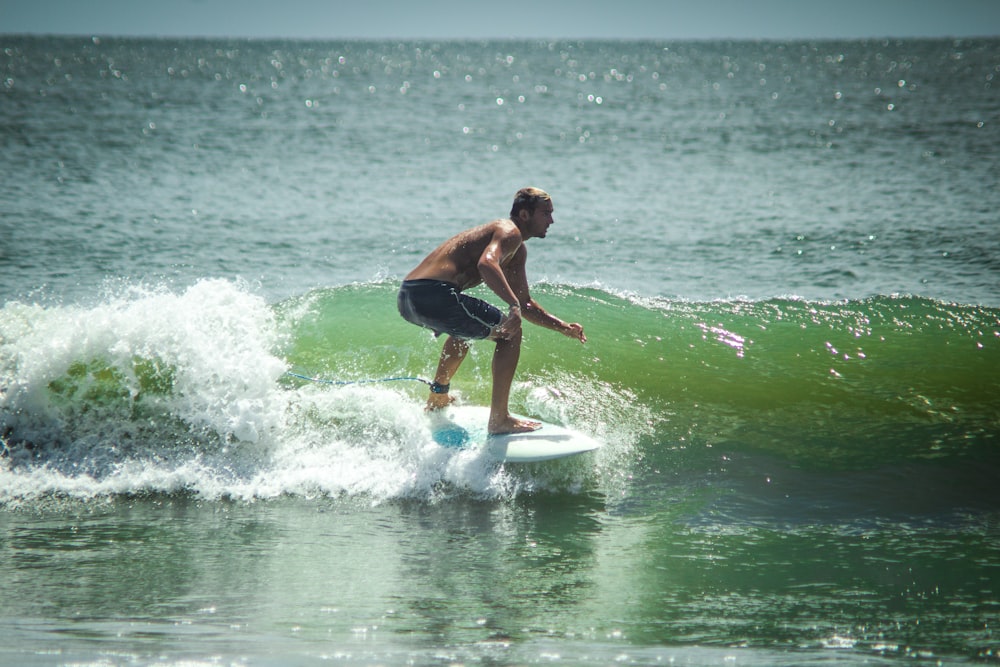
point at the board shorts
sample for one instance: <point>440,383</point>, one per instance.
<point>442,308</point>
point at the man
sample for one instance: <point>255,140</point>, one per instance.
<point>432,296</point>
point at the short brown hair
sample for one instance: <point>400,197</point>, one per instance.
<point>528,199</point>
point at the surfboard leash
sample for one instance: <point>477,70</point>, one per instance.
<point>341,383</point>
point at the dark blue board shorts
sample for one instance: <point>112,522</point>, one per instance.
<point>442,308</point>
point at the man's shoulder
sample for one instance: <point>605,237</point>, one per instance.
<point>502,230</point>
<point>504,227</point>
<point>504,224</point>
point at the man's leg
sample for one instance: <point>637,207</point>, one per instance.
<point>452,355</point>
<point>505,360</point>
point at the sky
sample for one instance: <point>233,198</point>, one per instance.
<point>477,19</point>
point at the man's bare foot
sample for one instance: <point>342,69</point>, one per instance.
<point>513,425</point>
<point>438,401</point>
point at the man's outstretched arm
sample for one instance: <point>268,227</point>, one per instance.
<point>531,310</point>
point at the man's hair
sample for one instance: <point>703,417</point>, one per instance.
<point>528,199</point>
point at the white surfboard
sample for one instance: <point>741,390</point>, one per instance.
<point>461,427</point>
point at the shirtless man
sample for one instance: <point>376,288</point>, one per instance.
<point>432,296</point>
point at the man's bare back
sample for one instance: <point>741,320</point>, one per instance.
<point>457,260</point>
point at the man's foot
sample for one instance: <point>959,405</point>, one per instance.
<point>513,425</point>
<point>438,401</point>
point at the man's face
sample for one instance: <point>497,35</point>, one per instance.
<point>540,219</point>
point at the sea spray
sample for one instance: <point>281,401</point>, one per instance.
<point>203,357</point>
<point>152,391</point>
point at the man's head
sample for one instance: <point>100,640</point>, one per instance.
<point>528,199</point>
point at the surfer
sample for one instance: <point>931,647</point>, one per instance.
<point>432,296</point>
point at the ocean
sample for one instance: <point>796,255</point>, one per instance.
<point>786,258</point>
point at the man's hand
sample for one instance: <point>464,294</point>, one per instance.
<point>575,330</point>
<point>510,326</point>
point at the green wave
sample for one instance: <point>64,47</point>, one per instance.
<point>671,385</point>
<point>843,384</point>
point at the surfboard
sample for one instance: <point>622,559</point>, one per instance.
<point>461,427</point>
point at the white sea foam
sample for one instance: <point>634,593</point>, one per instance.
<point>160,392</point>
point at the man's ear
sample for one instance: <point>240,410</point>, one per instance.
<point>523,215</point>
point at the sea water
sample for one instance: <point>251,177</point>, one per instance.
<point>785,257</point>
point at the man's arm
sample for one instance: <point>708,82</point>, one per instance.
<point>530,309</point>
<point>490,266</point>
